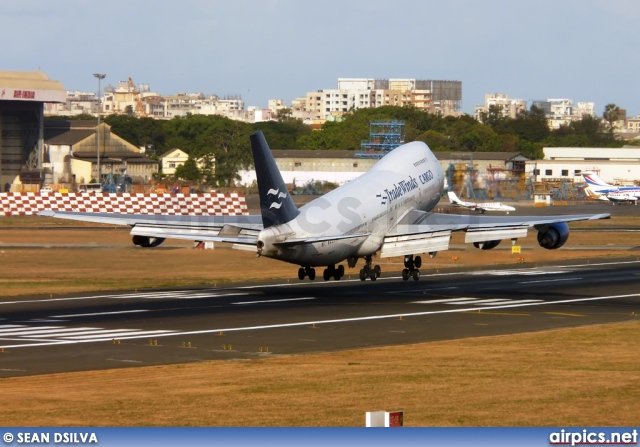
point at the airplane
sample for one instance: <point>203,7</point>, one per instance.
<point>385,212</point>
<point>476,206</point>
<point>601,190</point>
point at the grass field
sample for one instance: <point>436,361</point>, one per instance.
<point>574,377</point>
<point>586,376</point>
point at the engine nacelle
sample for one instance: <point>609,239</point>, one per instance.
<point>487,245</point>
<point>553,236</point>
<point>146,241</point>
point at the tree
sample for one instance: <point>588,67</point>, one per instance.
<point>529,125</point>
<point>188,171</point>
<point>284,114</point>
<point>611,114</point>
<point>494,116</point>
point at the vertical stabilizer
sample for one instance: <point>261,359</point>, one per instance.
<point>276,205</point>
<point>594,182</point>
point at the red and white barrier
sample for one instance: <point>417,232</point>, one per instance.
<point>28,203</point>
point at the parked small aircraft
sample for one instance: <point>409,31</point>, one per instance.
<point>477,206</point>
<point>601,190</point>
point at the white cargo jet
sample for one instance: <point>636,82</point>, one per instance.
<point>477,206</point>
<point>385,212</point>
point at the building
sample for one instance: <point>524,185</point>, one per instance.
<point>510,108</point>
<point>77,103</point>
<point>561,112</point>
<point>442,97</point>
<point>613,165</point>
<point>23,97</point>
<point>301,167</point>
<point>71,156</point>
<point>171,159</point>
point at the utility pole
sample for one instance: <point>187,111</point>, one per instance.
<point>100,77</point>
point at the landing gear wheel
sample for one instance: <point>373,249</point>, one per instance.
<point>377,270</point>
<point>301,274</point>
<point>363,275</point>
<point>417,262</point>
<point>373,275</point>
<point>340,271</point>
<point>405,274</point>
<point>326,275</point>
<point>416,274</point>
<point>312,274</point>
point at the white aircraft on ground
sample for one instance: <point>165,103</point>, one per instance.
<point>477,206</point>
<point>384,212</point>
<point>601,190</point>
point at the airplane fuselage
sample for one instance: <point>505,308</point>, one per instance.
<point>408,178</point>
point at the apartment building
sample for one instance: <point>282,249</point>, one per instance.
<point>441,97</point>
<point>561,112</point>
<point>510,107</point>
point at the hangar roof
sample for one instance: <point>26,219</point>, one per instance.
<point>61,132</point>
<point>34,86</point>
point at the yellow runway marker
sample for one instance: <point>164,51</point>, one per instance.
<point>565,315</point>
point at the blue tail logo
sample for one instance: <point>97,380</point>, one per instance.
<point>276,205</point>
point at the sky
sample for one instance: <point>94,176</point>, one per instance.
<point>583,50</point>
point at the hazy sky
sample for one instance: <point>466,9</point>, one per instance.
<point>584,50</point>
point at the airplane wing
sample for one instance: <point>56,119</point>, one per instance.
<point>425,232</point>
<point>242,230</point>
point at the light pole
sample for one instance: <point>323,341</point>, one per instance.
<point>100,77</point>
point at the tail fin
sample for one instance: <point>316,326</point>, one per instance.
<point>594,182</point>
<point>594,195</point>
<point>453,198</point>
<point>276,205</point>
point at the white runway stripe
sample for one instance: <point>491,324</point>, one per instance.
<point>102,313</point>
<point>117,334</point>
<point>276,301</point>
<point>55,333</point>
<point>24,329</point>
<point>337,320</point>
<point>475,301</point>
<point>446,300</point>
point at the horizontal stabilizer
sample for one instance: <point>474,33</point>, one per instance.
<point>313,240</point>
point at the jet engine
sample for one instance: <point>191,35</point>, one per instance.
<point>553,235</point>
<point>147,242</point>
<point>487,245</point>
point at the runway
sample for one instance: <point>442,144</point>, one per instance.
<point>41,335</point>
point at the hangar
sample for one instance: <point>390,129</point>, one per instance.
<point>619,166</point>
<point>22,98</point>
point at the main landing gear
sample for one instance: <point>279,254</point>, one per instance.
<point>333,272</point>
<point>306,271</point>
<point>330,272</point>
<point>411,266</point>
<point>369,272</point>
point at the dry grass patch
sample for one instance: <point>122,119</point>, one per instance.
<point>107,260</point>
<point>584,376</point>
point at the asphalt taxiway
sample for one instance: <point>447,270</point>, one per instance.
<point>52,334</point>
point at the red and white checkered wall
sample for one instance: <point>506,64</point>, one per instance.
<point>21,204</point>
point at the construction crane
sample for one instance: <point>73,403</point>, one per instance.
<point>136,95</point>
